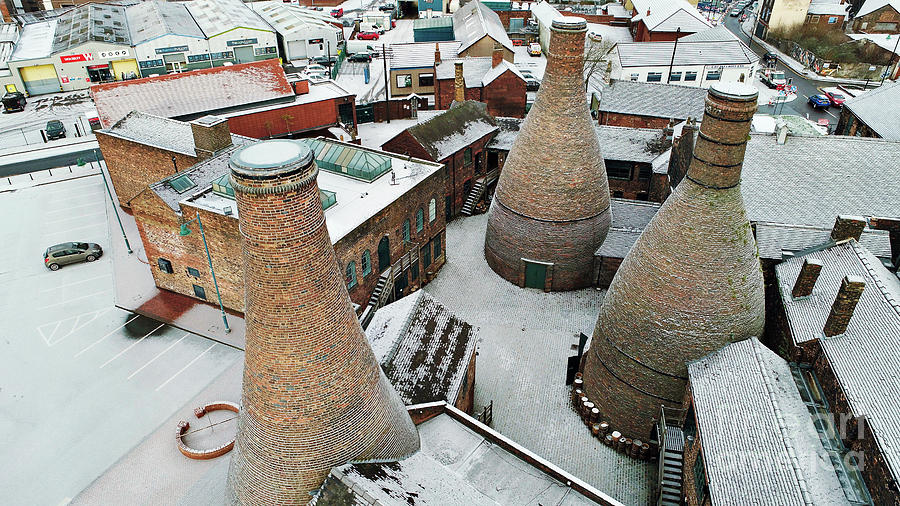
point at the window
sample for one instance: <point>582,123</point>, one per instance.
<point>420,220</point>
<point>165,265</point>
<point>713,75</point>
<point>675,77</point>
<point>654,77</point>
<point>404,80</point>
<point>886,27</point>
<point>616,169</point>
<point>351,274</point>
<point>467,156</point>
<point>618,195</point>
<point>181,183</point>
<point>406,230</point>
<point>813,19</point>
<point>700,478</point>
<point>832,20</point>
<point>414,270</point>
<point>432,211</point>
<point>193,272</point>
<point>635,76</point>
<point>645,172</point>
<point>426,79</point>
<point>690,76</point>
<point>437,245</point>
<point>426,255</point>
<point>199,292</point>
<point>367,263</point>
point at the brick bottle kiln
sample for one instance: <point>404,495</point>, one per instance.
<point>551,211</point>
<point>313,394</point>
<point>691,283</point>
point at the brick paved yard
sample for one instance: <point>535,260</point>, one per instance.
<point>526,336</point>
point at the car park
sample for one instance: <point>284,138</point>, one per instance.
<point>819,101</point>
<point>55,129</point>
<point>71,252</point>
<point>13,101</point>
<point>367,36</point>
<point>534,49</point>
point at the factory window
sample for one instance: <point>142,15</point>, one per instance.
<point>813,18</point>
<point>690,76</point>
<point>616,169</point>
<point>832,20</point>
<point>367,263</point>
<point>193,272</point>
<point>351,274</point>
<point>645,172</point>
<point>674,77</point>
<point>467,156</point>
<point>700,486</point>
<point>432,210</point>
<point>426,79</point>
<point>406,230</point>
<point>420,220</point>
<point>437,245</point>
<point>165,265</point>
<point>414,270</point>
<point>713,75</point>
<point>635,76</point>
<point>426,255</point>
<point>199,292</point>
<point>654,77</point>
<point>404,80</point>
<point>886,27</point>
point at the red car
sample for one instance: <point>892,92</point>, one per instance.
<point>836,98</point>
<point>367,36</point>
<point>338,12</point>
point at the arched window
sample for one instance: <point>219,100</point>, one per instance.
<point>432,209</point>
<point>351,275</point>
<point>367,263</point>
<point>420,220</point>
<point>406,230</point>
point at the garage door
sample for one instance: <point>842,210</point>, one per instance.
<point>244,54</point>
<point>296,49</point>
<point>40,79</point>
<point>127,68</point>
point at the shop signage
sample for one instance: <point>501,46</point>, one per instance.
<point>316,41</point>
<point>240,42</point>
<point>64,79</point>
<point>118,53</point>
<point>76,57</point>
<point>173,49</point>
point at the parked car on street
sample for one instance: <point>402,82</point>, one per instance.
<point>534,49</point>
<point>773,78</point>
<point>834,96</point>
<point>367,36</point>
<point>819,101</point>
<point>770,58</point>
<point>531,82</point>
<point>55,129</point>
<point>13,101</point>
<point>337,12</point>
<point>360,57</point>
<point>735,13</point>
<point>71,252</point>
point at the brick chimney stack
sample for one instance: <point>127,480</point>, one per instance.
<point>211,135</point>
<point>313,394</point>
<point>807,278</point>
<point>842,310</point>
<point>847,227</point>
<point>437,53</point>
<point>459,83</point>
<point>551,206</point>
<point>691,283</point>
<point>496,55</point>
<point>682,151</point>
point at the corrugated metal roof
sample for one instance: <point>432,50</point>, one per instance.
<point>412,55</point>
<point>658,54</point>
<point>154,18</point>
<point>91,22</point>
<point>756,433</point>
<point>878,110</point>
<point>289,19</point>
<point>219,16</point>
<point>36,41</point>
<point>475,20</point>
<point>435,22</point>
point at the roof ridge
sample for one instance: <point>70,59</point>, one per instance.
<point>404,329</point>
<point>860,252</point>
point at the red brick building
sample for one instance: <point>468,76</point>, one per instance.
<point>457,139</point>
<point>493,81</point>
<point>877,16</point>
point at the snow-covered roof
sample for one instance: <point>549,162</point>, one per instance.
<point>9,35</point>
<point>413,55</point>
<point>497,71</point>
<point>669,15</point>
<point>423,348</point>
<point>159,132</point>
<point>655,54</point>
<point>458,127</point>
<point>289,19</point>
<point>873,5</point>
<point>545,13</point>
<point>188,93</point>
<point>609,33</point>
<point>477,71</point>
<point>216,17</point>
<point>473,21</point>
<point>885,41</point>
<point>152,19</point>
<point>35,41</point>
<point>91,22</point>
<point>828,8</point>
<point>775,240</point>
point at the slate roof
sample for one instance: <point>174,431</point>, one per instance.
<point>168,134</point>
<point>189,93</point>
<point>201,174</point>
<point>423,348</point>
<point>757,435</point>
<point>669,15</point>
<point>91,22</point>
<point>456,128</point>
<point>507,133</point>
<point>652,99</point>
<point>704,52</point>
<point>811,180</point>
<point>777,241</point>
<point>458,465</point>
<point>625,143</point>
<point>477,71</point>
<point>871,6</point>
<point>414,55</point>
<point>152,19</point>
<point>878,109</point>
<point>216,17</point>
<point>473,21</point>
<point>629,218</point>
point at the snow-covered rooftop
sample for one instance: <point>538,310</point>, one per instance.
<point>473,21</point>
<point>292,20</point>
<point>216,17</point>
<point>152,19</point>
<point>36,41</point>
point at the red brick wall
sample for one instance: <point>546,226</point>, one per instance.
<point>608,268</point>
<point>288,119</point>
<point>399,108</point>
<point>634,187</point>
<point>505,96</point>
<point>405,144</point>
<point>632,120</point>
<point>885,14</point>
<point>466,399</point>
<point>458,172</point>
<point>133,166</point>
<point>823,23</point>
<point>505,16</point>
<point>660,188</point>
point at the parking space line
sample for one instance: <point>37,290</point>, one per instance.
<point>67,301</point>
<point>69,230</point>
<point>75,283</point>
<point>160,354</point>
<point>185,367</point>
<point>52,340</point>
<point>68,190</point>
<point>132,346</point>
<point>72,218</point>
<point>107,335</point>
<point>67,209</point>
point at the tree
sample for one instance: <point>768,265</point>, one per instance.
<point>596,58</point>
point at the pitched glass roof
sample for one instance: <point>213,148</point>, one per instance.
<point>343,159</point>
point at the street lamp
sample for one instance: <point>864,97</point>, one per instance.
<point>186,231</point>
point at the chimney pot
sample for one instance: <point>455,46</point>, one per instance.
<point>842,310</point>
<point>806,280</point>
<point>847,227</point>
<point>211,135</point>
<point>781,132</point>
<point>648,11</point>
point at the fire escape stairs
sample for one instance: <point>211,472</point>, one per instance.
<point>671,485</point>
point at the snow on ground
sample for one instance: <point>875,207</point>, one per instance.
<point>21,128</point>
<point>526,336</point>
<point>351,76</point>
<point>536,64</point>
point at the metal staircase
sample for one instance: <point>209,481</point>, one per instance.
<point>380,296</point>
<point>671,456</point>
<point>477,192</point>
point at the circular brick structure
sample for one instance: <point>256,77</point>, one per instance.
<point>552,200</point>
<point>313,396</point>
<point>690,284</point>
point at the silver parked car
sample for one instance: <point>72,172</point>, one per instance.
<point>71,252</point>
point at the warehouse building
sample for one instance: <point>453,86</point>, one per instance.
<point>166,38</point>
<point>301,33</point>
<point>234,32</point>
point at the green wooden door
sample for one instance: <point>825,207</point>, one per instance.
<point>535,275</point>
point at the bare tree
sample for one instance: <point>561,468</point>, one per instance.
<point>596,57</point>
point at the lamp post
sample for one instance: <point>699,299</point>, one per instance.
<point>674,48</point>
<point>186,231</point>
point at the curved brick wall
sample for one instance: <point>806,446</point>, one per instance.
<point>691,283</point>
<point>313,394</point>
<point>554,177</point>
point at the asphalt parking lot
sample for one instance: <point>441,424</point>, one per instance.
<point>81,381</point>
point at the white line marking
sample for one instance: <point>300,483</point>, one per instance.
<point>71,218</point>
<point>185,367</point>
<point>76,298</point>
<point>96,184</point>
<point>43,290</point>
<point>132,346</point>
<point>68,230</point>
<point>75,327</point>
<point>107,335</point>
<point>160,354</point>
<point>829,113</point>
<point>69,208</point>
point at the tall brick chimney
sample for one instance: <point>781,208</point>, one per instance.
<point>691,283</point>
<point>437,53</point>
<point>496,55</point>
<point>313,394</point>
<point>211,135</point>
<point>842,310</point>
<point>807,278</point>
<point>551,208</point>
<point>847,227</point>
<point>459,82</point>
